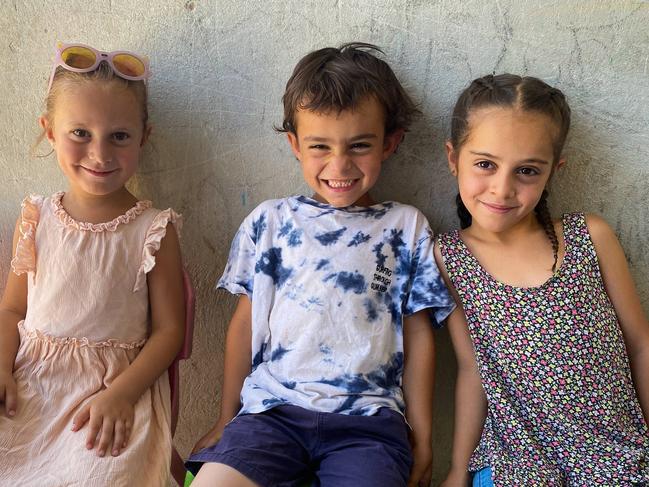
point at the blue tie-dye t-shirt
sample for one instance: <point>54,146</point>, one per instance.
<point>329,290</point>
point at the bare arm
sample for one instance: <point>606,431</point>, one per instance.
<point>624,297</point>
<point>470,400</point>
<point>13,308</point>
<point>237,366</point>
<point>111,412</point>
<point>418,382</point>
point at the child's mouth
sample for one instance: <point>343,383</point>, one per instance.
<point>99,174</point>
<point>340,183</point>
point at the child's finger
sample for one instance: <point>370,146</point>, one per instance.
<point>127,433</point>
<point>93,430</point>
<point>11,399</point>
<point>118,440</point>
<point>106,438</point>
<point>81,418</point>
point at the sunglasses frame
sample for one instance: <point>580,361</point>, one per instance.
<point>100,56</point>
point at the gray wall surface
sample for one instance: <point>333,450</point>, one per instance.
<point>219,70</point>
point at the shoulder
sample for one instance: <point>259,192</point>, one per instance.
<point>603,238</point>
<point>598,227</point>
<point>601,233</point>
<point>405,209</point>
<point>269,208</point>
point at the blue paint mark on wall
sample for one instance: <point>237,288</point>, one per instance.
<point>270,263</point>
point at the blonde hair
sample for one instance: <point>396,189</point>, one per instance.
<point>64,78</point>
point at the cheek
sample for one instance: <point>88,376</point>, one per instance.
<point>470,185</point>
<point>68,152</point>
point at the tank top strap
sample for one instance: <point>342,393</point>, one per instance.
<point>579,247</point>
<point>465,272</point>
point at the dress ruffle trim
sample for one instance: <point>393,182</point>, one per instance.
<point>25,258</point>
<point>76,342</point>
<point>155,234</point>
<point>110,226</point>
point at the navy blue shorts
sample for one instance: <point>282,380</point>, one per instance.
<point>286,445</point>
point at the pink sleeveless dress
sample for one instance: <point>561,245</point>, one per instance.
<point>87,319</point>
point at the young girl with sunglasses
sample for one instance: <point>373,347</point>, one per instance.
<point>551,339</point>
<point>92,314</point>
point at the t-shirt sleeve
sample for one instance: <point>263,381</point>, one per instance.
<point>427,288</point>
<point>238,277</point>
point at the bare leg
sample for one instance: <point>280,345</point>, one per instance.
<point>220,475</point>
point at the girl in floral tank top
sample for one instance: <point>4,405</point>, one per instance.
<point>551,335</point>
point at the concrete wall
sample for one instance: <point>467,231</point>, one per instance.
<point>219,72</point>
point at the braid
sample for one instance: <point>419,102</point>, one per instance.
<point>543,214</point>
<point>462,213</point>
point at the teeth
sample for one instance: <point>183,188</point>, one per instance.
<point>336,183</point>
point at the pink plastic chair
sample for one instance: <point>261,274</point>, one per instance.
<point>177,464</point>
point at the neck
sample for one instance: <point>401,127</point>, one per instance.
<point>94,208</point>
<point>525,227</point>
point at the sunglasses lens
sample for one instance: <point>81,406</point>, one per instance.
<point>78,57</point>
<point>129,65</point>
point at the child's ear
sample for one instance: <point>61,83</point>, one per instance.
<point>295,145</point>
<point>45,124</point>
<point>391,142</point>
<point>560,164</point>
<point>451,155</point>
<point>146,134</point>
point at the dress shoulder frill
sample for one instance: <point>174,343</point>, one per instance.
<point>154,236</point>
<point>24,260</point>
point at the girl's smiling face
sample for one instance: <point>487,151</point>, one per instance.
<point>341,153</point>
<point>97,132</point>
<point>503,166</point>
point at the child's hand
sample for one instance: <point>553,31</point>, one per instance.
<point>422,467</point>
<point>8,393</point>
<point>456,479</point>
<point>210,438</point>
<point>111,417</point>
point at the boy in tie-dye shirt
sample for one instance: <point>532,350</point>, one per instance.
<point>331,343</point>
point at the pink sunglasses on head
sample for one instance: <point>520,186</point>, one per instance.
<point>84,59</point>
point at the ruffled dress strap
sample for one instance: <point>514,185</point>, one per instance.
<point>154,236</point>
<point>24,260</point>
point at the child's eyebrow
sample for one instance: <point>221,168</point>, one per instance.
<point>315,138</point>
<point>491,156</point>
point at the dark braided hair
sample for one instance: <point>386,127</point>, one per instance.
<point>524,93</point>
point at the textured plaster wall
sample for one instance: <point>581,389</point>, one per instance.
<point>219,73</point>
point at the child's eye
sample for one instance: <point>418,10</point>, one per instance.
<point>528,171</point>
<point>81,133</point>
<point>484,164</point>
<point>360,146</point>
<point>318,147</point>
<point>121,136</point>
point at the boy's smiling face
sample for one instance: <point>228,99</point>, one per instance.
<point>341,153</point>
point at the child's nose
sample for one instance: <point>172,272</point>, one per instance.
<point>100,152</point>
<point>503,186</point>
<point>340,160</point>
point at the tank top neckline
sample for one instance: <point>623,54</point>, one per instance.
<point>521,289</point>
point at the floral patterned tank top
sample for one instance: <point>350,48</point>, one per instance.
<point>562,409</point>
